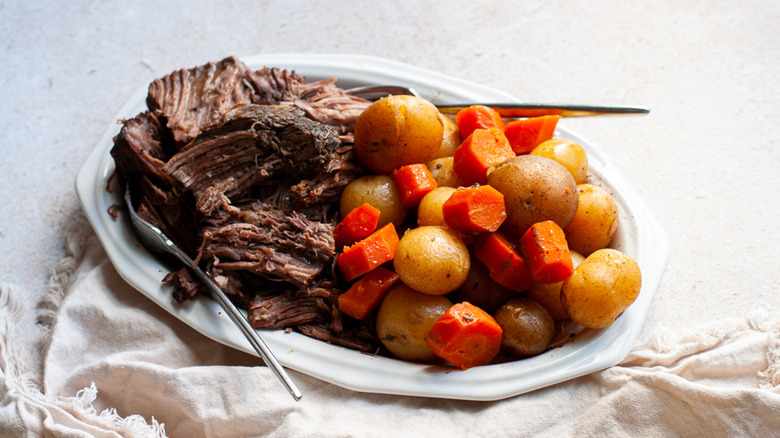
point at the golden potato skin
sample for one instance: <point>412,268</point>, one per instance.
<point>429,212</point>
<point>481,290</point>
<point>595,222</point>
<point>549,294</point>
<point>432,260</point>
<point>528,328</point>
<point>601,288</point>
<point>404,319</point>
<point>450,139</point>
<point>568,153</point>
<point>378,190</point>
<point>443,172</point>
<point>397,130</point>
<point>535,189</point>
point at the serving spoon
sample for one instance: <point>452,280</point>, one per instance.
<point>156,241</point>
<point>504,109</point>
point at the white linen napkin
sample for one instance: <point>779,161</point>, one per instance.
<point>115,364</point>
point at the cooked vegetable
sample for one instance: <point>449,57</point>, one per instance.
<point>535,189</point>
<point>595,222</point>
<point>443,172</point>
<point>466,336</point>
<point>568,153</point>
<point>475,209</point>
<point>413,181</point>
<point>432,260</point>
<point>369,253</point>
<point>549,294</point>
<point>527,327</point>
<point>526,134</point>
<point>404,319</point>
<point>477,117</point>
<point>601,288</point>
<point>481,290</point>
<point>451,138</point>
<point>378,190</point>
<point>546,252</point>
<point>478,152</point>
<point>430,212</point>
<point>504,261</point>
<point>367,292</point>
<point>395,131</point>
<point>356,226</point>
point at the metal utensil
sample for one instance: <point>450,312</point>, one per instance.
<point>504,109</point>
<point>156,241</point>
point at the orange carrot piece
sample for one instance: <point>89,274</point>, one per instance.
<point>369,253</point>
<point>414,181</point>
<point>526,134</point>
<point>475,209</point>
<point>504,262</point>
<point>365,294</point>
<point>477,117</point>
<point>478,152</point>
<point>465,335</point>
<point>546,252</point>
<point>356,226</point>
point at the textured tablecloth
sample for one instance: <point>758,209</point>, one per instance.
<point>83,354</point>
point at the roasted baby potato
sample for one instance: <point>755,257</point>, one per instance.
<point>451,138</point>
<point>568,153</point>
<point>429,212</point>
<point>378,190</point>
<point>601,288</point>
<point>528,328</point>
<point>444,173</point>
<point>595,222</point>
<point>397,130</point>
<point>404,319</point>
<point>535,189</point>
<point>432,260</point>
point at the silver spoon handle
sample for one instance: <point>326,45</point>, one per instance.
<point>540,109</point>
<point>240,320</point>
<point>505,109</point>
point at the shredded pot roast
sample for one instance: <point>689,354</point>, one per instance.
<point>243,170</point>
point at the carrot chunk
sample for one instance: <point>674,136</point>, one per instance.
<point>356,226</point>
<point>365,294</point>
<point>477,117</point>
<point>478,152</point>
<point>526,134</point>
<point>546,252</point>
<point>504,262</point>
<point>475,209</point>
<point>414,181</point>
<point>466,336</point>
<point>369,253</point>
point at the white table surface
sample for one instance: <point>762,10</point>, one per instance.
<point>706,160</point>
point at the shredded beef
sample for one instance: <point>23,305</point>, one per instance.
<point>269,242</point>
<point>287,310</point>
<point>325,102</point>
<point>140,148</point>
<point>360,339</point>
<point>191,100</point>
<point>185,287</point>
<point>243,169</point>
<point>254,144</point>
